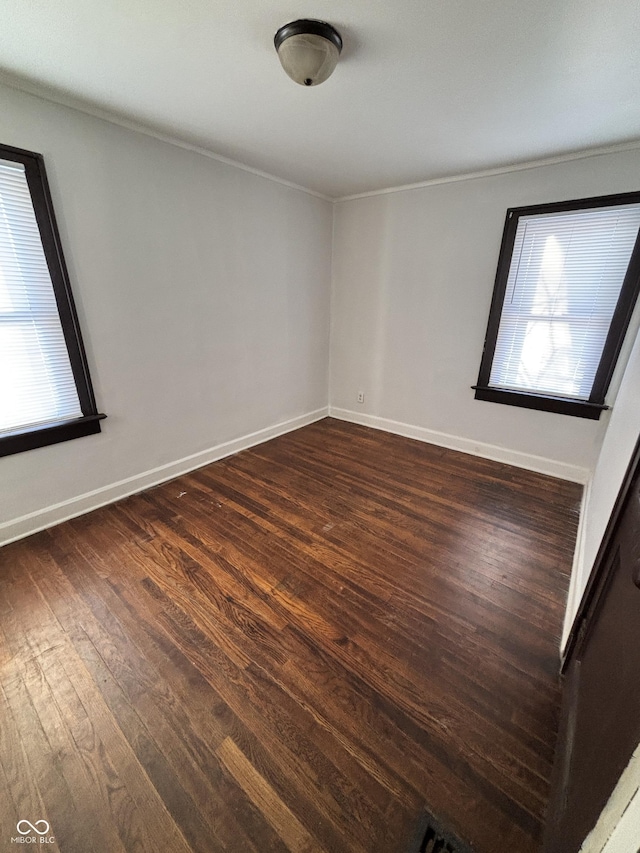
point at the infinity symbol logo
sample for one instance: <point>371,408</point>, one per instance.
<point>33,827</point>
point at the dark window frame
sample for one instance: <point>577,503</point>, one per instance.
<point>33,436</point>
<point>595,405</point>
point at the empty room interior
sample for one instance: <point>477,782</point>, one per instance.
<point>320,427</point>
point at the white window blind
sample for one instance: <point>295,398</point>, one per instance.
<point>566,273</point>
<point>36,382</point>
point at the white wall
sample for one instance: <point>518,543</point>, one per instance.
<point>413,275</point>
<point>602,490</point>
<point>203,293</point>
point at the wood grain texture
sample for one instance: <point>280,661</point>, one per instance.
<point>293,649</point>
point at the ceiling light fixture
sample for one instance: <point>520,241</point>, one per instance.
<point>308,50</point>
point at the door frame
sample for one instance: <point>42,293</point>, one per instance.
<point>587,614</point>
<point>602,565</point>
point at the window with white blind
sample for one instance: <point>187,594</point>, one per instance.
<point>45,389</point>
<point>567,282</point>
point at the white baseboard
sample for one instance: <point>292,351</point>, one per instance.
<point>540,464</point>
<point>18,528</point>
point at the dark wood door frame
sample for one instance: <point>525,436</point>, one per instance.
<point>598,654</point>
<point>602,564</point>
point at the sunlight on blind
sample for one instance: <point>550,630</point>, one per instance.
<point>567,270</point>
<point>36,381</point>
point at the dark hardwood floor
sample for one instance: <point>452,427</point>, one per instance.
<point>293,649</point>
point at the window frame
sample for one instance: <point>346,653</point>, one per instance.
<point>595,405</point>
<point>35,435</point>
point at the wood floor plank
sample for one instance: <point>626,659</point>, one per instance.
<point>36,722</point>
<point>22,800</point>
<point>138,813</point>
<point>262,795</point>
<point>174,745</point>
<point>323,632</point>
<point>279,754</point>
<point>258,702</point>
<point>296,648</point>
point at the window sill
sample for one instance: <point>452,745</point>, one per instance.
<point>559,405</point>
<point>41,436</point>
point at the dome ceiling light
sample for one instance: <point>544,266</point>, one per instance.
<point>308,50</point>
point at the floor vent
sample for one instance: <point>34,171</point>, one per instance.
<point>434,839</point>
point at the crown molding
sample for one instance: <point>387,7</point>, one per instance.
<point>65,100</point>
<point>499,170</point>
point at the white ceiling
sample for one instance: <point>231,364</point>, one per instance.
<point>423,89</point>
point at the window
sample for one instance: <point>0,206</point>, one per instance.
<point>567,282</point>
<point>45,388</point>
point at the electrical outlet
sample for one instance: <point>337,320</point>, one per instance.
<point>361,396</point>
